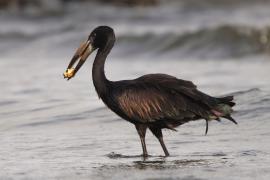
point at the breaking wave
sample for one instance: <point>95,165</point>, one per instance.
<point>223,41</point>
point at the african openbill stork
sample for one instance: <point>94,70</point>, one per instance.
<point>153,101</point>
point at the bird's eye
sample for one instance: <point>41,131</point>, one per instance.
<point>92,36</point>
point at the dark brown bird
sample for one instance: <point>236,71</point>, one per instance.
<point>154,101</point>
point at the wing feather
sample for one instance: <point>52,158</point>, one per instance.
<point>161,97</point>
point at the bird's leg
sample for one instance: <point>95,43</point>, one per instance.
<point>158,133</point>
<point>141,129</point>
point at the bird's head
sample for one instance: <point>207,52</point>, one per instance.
<point>98,39</point>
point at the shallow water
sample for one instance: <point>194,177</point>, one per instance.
<point>54,129</point>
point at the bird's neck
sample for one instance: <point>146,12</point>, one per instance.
<point>100,81</point>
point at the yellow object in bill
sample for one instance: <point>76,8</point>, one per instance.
<point>69,73</point>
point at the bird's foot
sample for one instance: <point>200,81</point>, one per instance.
<point>145,156</point>
<point>167,155</point>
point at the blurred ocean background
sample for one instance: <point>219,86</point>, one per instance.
<point>51,128</point>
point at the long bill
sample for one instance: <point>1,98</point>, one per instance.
<point>80,55</point>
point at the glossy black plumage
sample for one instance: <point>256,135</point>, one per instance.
<point>153,101</point>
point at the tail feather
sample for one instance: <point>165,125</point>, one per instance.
<point>222,110</point>
<point>206,128</point>
<point>230,119</point>
<point>227,100</point>
<point>225,109</point>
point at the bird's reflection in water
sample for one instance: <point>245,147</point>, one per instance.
<point>156,164</point>
<point>153,162</point>
<point>169,164</point>
<point>113,155</point>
